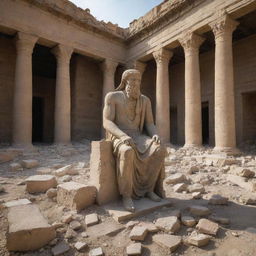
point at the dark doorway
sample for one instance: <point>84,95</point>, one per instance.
<point>174,125</point>
<point>38,119</point>
<point>205,122</point>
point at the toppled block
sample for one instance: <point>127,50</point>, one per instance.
<point>75,196</point>
<point>169,241</point>
<point>168,224</point>
<point>198,240</point>
<point>29,163</point>
<point>134,249</point>
<point>207,227</point>
<point>91,219</point>
<point>199,210</point>
<point>102,172</point>
<point>40,183</point>
<point>28,229</point>
<point>138,233</point>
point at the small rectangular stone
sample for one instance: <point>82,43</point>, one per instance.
<point>207,227</point>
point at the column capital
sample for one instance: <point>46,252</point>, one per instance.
<point>223,25</point>
<point>162,55</point>
<point>191,41</point>
<point>25,42</point>
<point>62,52</point>
<point>109,65</point>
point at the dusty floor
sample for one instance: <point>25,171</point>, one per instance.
<point>232,240</point>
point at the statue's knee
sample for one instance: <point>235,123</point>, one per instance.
<point>161,150</point>
<point>127,152</point>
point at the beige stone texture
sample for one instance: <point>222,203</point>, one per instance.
<point>188,221</point>
<point>168,241</point>
<point>138,233</point>
<point>40,183</point>
<point>199,210</point>
<point>75,196</point>
<point>91,219</point>
<point>198,240</point>
<point>134,249</point>
<point>17,202</point>
<point>207,227</point>
<point>168,224</point>
<point>29,163</point>
<point>175,178</point>
<point>28,229</point>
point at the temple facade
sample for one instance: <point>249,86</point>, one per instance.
<point>197,59</point>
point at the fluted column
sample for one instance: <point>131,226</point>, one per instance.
<point>193,117</point>
<point>62,113</point>
<point>22,108</point>
<point>162,58</point>
<point>225,131</point>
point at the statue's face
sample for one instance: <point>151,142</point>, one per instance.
<point>132,87</point>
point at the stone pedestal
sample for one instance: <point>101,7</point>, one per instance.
<point>162,58</point>
<point>225,129</point>
<point>193,117</point>
<point>103,172</point>
<point>62,129</point>
<point>22,108</point>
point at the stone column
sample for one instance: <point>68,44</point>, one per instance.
<point>193,117</point>
<point>62,113</point>
<point>22,108</point>
<point>162,58</point>
<point>225,131</point>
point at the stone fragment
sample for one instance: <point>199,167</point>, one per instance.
<point>75,225</point>
<point>40,183</point>
<point>96,252</point>
<point>207,227</point>
<point>180,187</point>
<point>62,171</point>
<point>67,218</point>
<point>28,229</point>
<point>72,171</point>
<point>193,169</point>
<point>60,248</point>
<point>138,233</point>
<point>247,173</point>
<point>175,178</point>
<point>197,187</point>
<point>134,249</point>
<point>44,171</point>
<point>188,221</point>
<point>198,240</point>
<point>70,234</point>
<point>16,167</point>
<point>91,219</point>
<point>168,224</point>
<point>18,202</point>
<point>84,234</point>
<point>196,195</point>
<point>52,192</point>
<point>199,210</point>
<point>131,223</point>
<point>218,200</point>
<point>170,241</point>
<point>80,245</point>
<point>75,195</point>
<point>65,178</point>
<point>29,163</point>
<point>149,226</point>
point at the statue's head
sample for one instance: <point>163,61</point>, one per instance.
<point>130,82</point>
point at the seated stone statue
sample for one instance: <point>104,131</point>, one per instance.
<point>128,120</point>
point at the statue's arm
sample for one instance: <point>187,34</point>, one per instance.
<point>109,117</point>
<point>149,121</point>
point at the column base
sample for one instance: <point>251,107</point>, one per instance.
<point>193,146</point>
<point>229,151</point>
<point>21,148</point>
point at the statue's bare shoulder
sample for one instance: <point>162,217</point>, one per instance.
<point>114,97</point>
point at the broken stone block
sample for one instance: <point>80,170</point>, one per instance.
<point>28,229</point>
<point>218,200</point>
<point>134,249</point>
<point>96,252</point>
<point>199,210</point>
<point>169,241</point>
<point>60,248</point>
<point>62,171</point>
<point>180,187</point>
<point>207,227</point>
<point>168,224</point>
<point>16,167</point>
<point>18,202</point>
<point>75,195</point>
<point>196,195</point>
<point>52,192</point>
<point>29,163</point>
<point>198,240</point>
<point>188,221</point>
<point>102,172</point>
<point>241,182</point>
<point>197,187</point>
<point>75,225</point>
<point>40,183</point>
<point>149,226</point>
<point>138,233</point>
<point>91,219</point>
<point>175,178</point>
<point>80,245</point>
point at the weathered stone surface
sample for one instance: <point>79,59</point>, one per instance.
<point>75,195</point>
<point>175,178</point>
<point>241,182</point>
<point>168,224</point>
<point>75,225</point>
<point>218,200</point>
<point>18,202</point>
<point>102,172</point>
<point>80,245</point>
<point>29,163</point>
<point>196,188</point>
<point>96,252</point>
<point>44,171</point>
<point>193,169</point>
<point>67,218</point>
<point>91,219</point>
<point>70,233</point>
<point>138,233</point>
<point>199,210</point>
<point>207,227</point>
<point>170,241</point>
<point>52,192</point>
<point>149,226</point>
<point>188,221</point>
<point>198,240</point>
<point>180,187</point>
<point>28,229</point>
<point>65,178</point>
<point>40,183</point>
<point>247,173</point>
<point>16,167</point>
<point>6,157</point>
<point>62,171</point>
<point>134,249</point>
<point>60,248</point>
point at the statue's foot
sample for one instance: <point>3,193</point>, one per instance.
<point>154,197</point>
<point>128,204</point>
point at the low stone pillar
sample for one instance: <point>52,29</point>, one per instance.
<point>62,118</point>
<point>22,108</point>
<point>162,58</point>
<point>193,117</point>
<point>225,128</point>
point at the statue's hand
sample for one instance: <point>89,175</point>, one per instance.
<point>127,140</point>
<point>156,139</point>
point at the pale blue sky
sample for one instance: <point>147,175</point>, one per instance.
<point>121,12</point>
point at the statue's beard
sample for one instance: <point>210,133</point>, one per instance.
<point>132,94</point>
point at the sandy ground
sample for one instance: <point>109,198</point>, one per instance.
<point>233,239</point>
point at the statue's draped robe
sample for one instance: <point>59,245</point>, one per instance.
<point>148,162</point>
